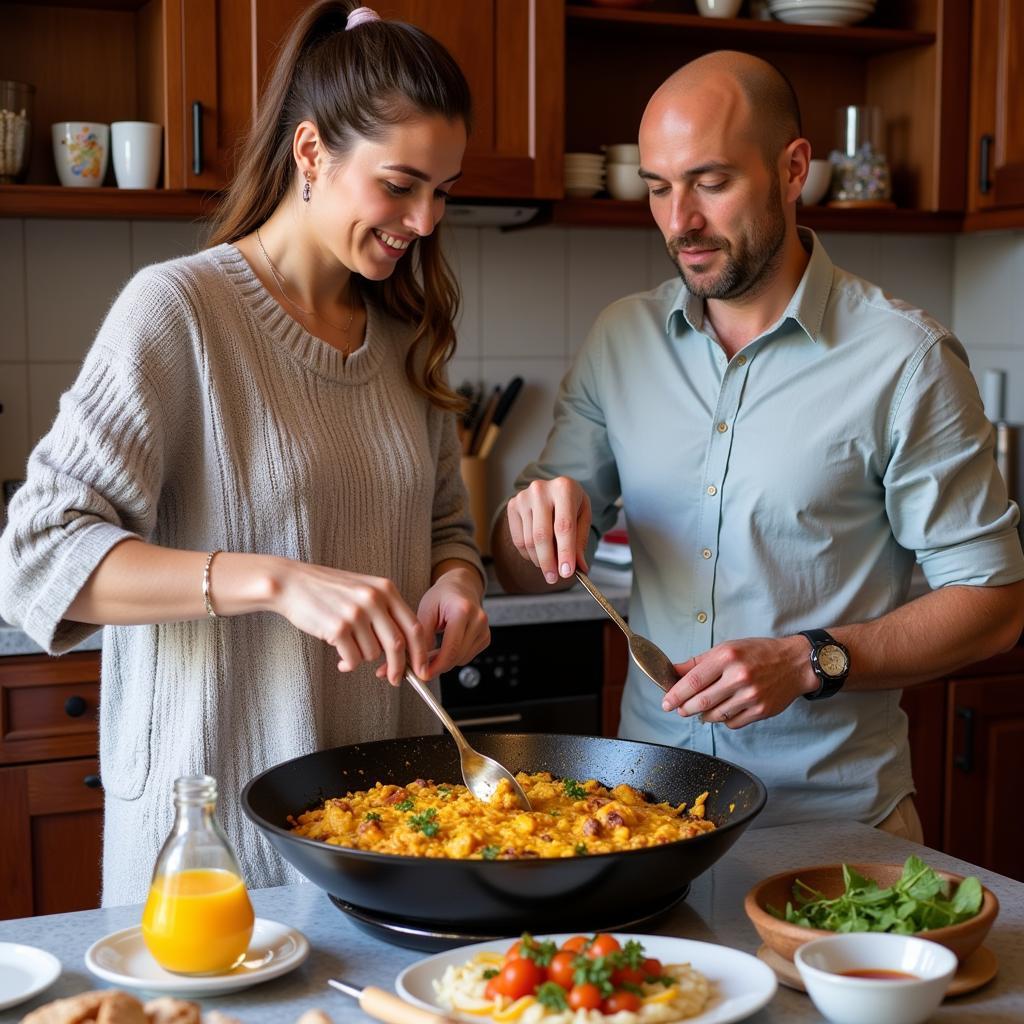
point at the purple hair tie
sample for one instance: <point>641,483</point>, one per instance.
<point>360,16</point>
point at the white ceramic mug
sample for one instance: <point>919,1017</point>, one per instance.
<point>718,8</point>
<point>625,183</point>
<point>622,153</point>
<point>136,147</point>
<point>80,151</point>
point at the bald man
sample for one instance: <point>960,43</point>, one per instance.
<point>787,441</point>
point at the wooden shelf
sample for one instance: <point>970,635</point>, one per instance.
<point>741,32</point>
<point>104,203</point>
<point>622,213</point>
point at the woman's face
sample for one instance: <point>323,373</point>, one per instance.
<point>371,204</point>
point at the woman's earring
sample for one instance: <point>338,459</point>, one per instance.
<point>306,189</point>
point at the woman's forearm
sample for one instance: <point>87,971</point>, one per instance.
<point>139,583</point>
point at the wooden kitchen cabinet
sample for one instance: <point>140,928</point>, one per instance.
<point>996,179</point>
<point>50,787</point>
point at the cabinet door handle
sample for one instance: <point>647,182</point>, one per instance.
<point>985,164</point>
<point>197,137</point>
<point>92,781</point>
<point>965,760</point>
<point>75,707</point>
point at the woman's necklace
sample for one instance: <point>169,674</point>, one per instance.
<point>305,312</point>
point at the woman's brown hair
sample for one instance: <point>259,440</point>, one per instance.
<point>353,84</point>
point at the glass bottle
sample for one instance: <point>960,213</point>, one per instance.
<point>198,918</point>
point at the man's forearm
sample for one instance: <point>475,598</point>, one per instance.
<point>933,636</point>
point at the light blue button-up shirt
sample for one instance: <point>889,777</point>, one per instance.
<point>791,487</point>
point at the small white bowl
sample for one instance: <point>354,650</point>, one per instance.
<point>622,153</point>
<point>846,1000</point>
<point>817,182</point>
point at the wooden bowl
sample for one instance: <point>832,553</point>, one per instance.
<point>784,938</point>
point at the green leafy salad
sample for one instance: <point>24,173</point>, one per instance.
<point>919,901</point>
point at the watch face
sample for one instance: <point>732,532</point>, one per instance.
<point>832,660</point>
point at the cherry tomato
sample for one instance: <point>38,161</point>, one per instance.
<point>512,953</point>
<point>652,967</point>
<point>602,946</point>
<point>561,969</point>
<point>491,991</point>
<point>584,997</point>
<point>621,1001</point>
<point>520,977</point>
<point>629,976</point>
<point>576,944</point>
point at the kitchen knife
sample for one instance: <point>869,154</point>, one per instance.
<point>504,404</point>
<point>376,1002</point>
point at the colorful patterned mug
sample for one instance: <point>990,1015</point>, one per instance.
<point>80,151</point>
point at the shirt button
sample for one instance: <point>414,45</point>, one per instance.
<point>741,360</point>
<point>706,552</point>
<point>702,616</point>
<point>712,490</point>
<point>722,427</point>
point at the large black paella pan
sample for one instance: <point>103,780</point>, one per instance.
<point>506,897</point>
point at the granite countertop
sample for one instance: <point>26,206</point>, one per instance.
<point>713,912</point>
<point>502,609</point>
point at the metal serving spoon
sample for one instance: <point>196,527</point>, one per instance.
<point>646,655</point>
<point>480,773</point>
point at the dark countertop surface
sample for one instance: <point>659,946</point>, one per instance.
<point>713,912</point>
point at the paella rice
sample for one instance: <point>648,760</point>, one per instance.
<point>569,818</point>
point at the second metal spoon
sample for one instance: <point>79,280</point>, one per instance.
<point>646,655</point>
<point>480,773</point>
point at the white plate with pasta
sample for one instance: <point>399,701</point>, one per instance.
<point>693,981</point>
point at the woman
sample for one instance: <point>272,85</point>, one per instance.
<point>255,479</point>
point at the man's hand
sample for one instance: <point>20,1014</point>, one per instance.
<point>743,681</point>
<point>548,523</point>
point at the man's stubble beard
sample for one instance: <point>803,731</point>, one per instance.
<point>751,268</point>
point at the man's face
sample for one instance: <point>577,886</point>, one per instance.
<point>717,202</point>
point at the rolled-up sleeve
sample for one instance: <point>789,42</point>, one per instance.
<point>578,444</point>
<point>945,497</point>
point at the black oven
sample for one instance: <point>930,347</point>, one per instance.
<point>533,678</point>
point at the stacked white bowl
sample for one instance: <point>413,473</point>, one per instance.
<point>584,174</point>
<point>821,12</point>
<point>622,164</point>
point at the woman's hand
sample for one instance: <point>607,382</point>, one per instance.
<point>452,607</point>
<point>361,617</point>
<point>548,523</point>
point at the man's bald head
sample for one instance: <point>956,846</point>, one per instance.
<point>737,84</point>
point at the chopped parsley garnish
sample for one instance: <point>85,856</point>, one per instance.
<point>632,954</point>
<point>489,853</point>
<point>581,849</point>
<point>444,792</point>
<point>573,789</point>
<point>597,971</point>
<point>552,996</point>
<point>491,972</point>
<point>556,813</point>
<point>371,816</point>
<point>425,822</point>
<point>405,805</point>
<point>541,953</point>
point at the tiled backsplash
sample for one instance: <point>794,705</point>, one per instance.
<point>529,299</point>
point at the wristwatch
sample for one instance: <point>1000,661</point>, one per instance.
<point>830,661</point>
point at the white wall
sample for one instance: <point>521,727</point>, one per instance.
<point>530,297</point>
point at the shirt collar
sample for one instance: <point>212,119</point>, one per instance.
<point>806,307</point>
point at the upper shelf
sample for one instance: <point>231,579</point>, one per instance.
<point>104,203</point>
<point>621,213</point>
<point>732,32</point>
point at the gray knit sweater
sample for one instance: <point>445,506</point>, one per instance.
<point>204,417</point>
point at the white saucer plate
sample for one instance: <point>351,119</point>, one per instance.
<point>742,983</point>
<point>24,972</point>
<point>123,959</point>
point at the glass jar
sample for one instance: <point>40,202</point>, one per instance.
<point>198,918</point>
<point>15,130</point>
<point>860,169</point>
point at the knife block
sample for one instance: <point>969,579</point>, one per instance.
<point>474,476</point>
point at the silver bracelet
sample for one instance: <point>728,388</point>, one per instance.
<point>206,583</point>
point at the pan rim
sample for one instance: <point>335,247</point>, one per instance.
<point>396,858</point>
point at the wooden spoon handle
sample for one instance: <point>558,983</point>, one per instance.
<point>388,1007</point>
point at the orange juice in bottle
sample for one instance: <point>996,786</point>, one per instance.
<point>198,918</point>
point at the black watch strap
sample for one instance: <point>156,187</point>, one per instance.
<point>829,685</point>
